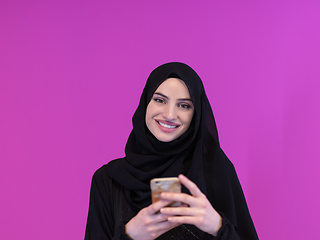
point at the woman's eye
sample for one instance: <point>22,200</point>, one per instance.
<point>159,100</point>
<point>183,105</point>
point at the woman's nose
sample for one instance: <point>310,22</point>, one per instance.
<point>169,112</point>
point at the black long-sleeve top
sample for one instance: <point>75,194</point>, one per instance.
<point>109,211</point>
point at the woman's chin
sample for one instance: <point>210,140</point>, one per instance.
<point>164,137</point>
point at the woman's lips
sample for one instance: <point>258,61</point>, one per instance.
<point>167,126</point>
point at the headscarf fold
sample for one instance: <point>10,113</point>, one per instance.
<point>196,153</point>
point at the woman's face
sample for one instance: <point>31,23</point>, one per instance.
<point>170,110</point>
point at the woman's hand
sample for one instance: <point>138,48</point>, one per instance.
<point>149,223</point>
<point>199,213</point>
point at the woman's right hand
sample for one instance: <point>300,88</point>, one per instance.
<point>149,223</point>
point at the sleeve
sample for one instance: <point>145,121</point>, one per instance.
<point>245,227</point>
<point>228,199</point>
<point>100,222</point>
<point>227,231</point>
<point>121,233</point>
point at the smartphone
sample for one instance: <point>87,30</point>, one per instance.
<point>159,185</point>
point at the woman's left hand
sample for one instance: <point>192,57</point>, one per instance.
<point>199,213</point>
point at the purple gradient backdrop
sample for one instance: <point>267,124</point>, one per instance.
<point>71,73</point>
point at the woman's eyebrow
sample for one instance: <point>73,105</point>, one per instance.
<point>185,99</point>
<point>179,99</point>
<point>162,95</point>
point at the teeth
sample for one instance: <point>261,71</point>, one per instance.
<point>167,126</point>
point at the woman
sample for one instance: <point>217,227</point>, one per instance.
<point>174,134</point>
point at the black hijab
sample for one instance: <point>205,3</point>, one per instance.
<point>196,153</point>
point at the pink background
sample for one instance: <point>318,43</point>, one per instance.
<point>71,73</point>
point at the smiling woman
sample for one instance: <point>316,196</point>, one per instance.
<point>174,134</point>
<point>169,113</point>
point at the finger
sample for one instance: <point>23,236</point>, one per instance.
<point>178,197</point>
<point>192,187</point>
<point>165,226</point>
<point>155,207</point>
<point>183,220</point>
<point>180,211</point>
<point>159,218</point>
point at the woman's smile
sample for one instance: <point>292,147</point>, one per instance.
<point>167,126</point>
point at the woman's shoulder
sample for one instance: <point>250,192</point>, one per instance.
<point>104,171</point>
<point>224,162</point>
